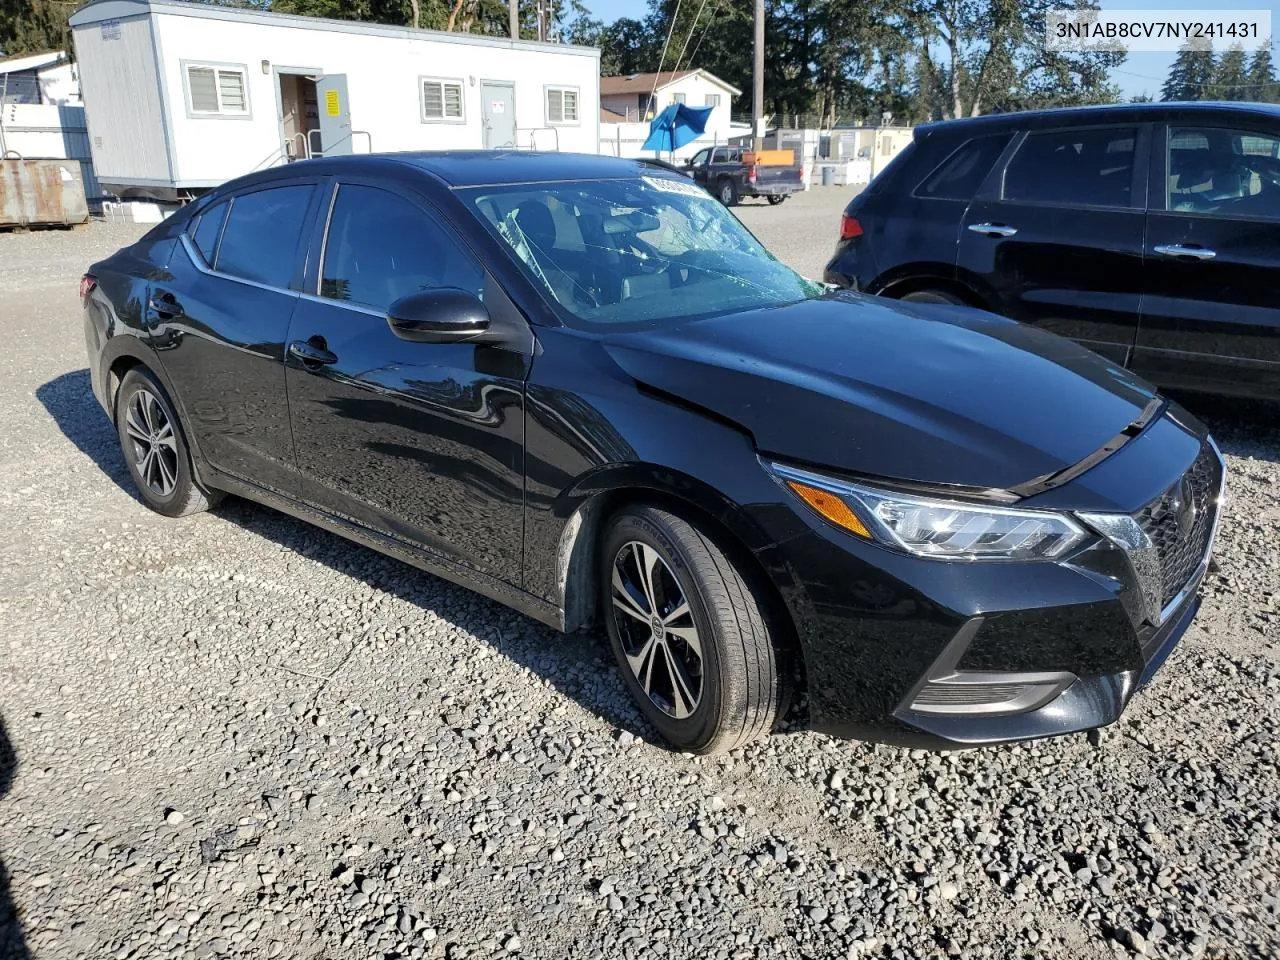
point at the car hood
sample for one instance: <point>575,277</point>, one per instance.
<point>918,392</point>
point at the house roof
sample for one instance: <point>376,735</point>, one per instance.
<point>644,82</point>
<point>32,61</point>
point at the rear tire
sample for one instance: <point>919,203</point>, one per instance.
<point>727,192</point>
<point>155,448</point>
<point>932,296</point>
<point>774,201</point>
<point>691,639</point>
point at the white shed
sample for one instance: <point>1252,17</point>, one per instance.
<point>185,96</point>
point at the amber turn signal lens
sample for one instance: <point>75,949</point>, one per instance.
<point>831,507</point>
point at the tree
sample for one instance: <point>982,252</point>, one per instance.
<point>994,57</point>
<point>1191,74</point>
<point>1262,77</point>
<point>34,26</point>
<point>1230,77</point>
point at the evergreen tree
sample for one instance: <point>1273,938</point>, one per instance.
<point>1191,74</point>
<point>1231,77</point>
<point>1262,77</point>
<point>34,26</point>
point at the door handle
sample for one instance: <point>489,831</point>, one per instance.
<point>313,353</point>
<point>993,229</point>
<point>164,306</point>
<point>1192,253</point>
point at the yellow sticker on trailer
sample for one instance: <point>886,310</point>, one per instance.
<point>331,105</point>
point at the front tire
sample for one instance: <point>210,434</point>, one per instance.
<point>691,639</point>
<point>155,449</point>
<point>727,192</point>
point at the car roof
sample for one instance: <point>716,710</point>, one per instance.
<point>1105,113</point>
<point>465,168</point>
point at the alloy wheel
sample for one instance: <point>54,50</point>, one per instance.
<point>655,625</point>
<point>155,449</point>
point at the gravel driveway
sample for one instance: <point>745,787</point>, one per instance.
<point>235,735</point>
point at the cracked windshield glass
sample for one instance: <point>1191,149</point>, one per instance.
<point>637,251</point>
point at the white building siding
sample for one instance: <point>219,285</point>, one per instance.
<point>383,76</point>
<point>122,100</point>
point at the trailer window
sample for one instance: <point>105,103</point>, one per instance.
<point>562,104</point>
<point>441,99</point>
<point>215,90</point>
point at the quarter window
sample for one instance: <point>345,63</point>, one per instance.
<point>217,90</point>
<point>963,172</point>
<point>260,240</point>
<point>441,100</point>
<point>379,249</point>
<point>1082,168</point>
<point>207,228</point>
<point>562,104</point>
<point>1228,172</point>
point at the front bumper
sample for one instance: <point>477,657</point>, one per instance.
<point>895,646</point>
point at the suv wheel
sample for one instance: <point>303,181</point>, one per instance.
<point>155,448</point>
<point>932,296</point>
<point>691,640</point>
<point>727,192</point>
<point>775,200</point>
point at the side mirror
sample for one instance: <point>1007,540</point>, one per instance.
<point>444,315</point>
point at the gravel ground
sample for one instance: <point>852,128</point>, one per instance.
<point>235,735</point>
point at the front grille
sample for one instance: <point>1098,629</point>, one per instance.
<point>1181,540</point>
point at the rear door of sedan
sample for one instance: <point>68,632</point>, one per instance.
<point>1055,238</point>
<point>420,442</point>
<point>219,320</point>
<point>1210,319</point>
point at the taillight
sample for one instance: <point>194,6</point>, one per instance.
<point>850,228</point>
<point>751,174</point>
<point>87,284</point>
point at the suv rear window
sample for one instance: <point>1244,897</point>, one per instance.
<point>960,175</point>
<point>1083,168</point>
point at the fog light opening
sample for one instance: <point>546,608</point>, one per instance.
<point>970,693</point>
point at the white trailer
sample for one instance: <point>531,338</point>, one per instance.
<point>181,97</point>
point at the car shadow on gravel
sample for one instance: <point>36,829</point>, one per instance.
<point>70,401</point>
<point>579,666</point>
<point>12,944</point>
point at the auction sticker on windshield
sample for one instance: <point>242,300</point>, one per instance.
<point>685,188</point>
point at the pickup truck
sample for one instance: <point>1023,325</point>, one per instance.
<point>731,173</point>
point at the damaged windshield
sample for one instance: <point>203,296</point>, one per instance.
<point>634,251</point>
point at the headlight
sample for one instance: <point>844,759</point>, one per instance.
<point>935,527</point>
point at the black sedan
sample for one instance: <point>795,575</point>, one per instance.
<point>579,386</point>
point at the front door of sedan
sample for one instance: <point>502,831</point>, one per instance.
<point>1210,318</point>
<point>422,442</point>
<point>219,321</point>
<point>1056,238</point>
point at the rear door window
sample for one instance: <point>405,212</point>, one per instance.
<point>205,231</point>
<point>1081,168</point>
<point>960,175</point>
<point>264,230</point>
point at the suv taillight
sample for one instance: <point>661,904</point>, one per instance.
<point>87,284</point>
<point>751,173</point>
<point>850,228</point>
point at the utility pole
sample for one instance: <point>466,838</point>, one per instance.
<point>514,8</point>
<point>757,94</point>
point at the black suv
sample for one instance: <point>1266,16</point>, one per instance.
<point>1148,232</point>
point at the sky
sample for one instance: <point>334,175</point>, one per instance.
<point>1140,73</point>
